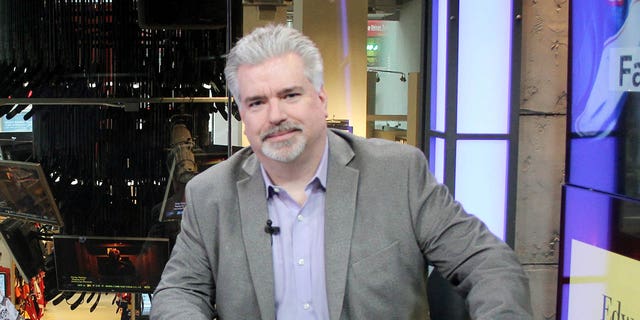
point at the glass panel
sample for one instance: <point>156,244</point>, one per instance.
<point>484,49</point>
<point>439,70</point>
<point>481,180</point>
<point>393,50</point>
<point>436,158</point>
<point>595,163</point>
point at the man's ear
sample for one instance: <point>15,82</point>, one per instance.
<point>322,95</point>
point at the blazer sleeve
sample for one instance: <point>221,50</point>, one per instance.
<point>481,267</point>
<point>187,288</point>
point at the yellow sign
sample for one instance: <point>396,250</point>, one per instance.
<point>604,285</point>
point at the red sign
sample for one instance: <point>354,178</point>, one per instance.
<point>375,28</point>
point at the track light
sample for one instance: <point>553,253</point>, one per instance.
<point>403,78</point>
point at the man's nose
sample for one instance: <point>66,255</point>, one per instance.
<point>277,113</point>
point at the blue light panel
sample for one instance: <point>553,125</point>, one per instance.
<point>436,160</point>
<point>484,68</point>
<point>481,181</point>
<point>440,67</point>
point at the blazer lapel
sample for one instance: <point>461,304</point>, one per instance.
<point>340,208</point>
<point>253,214</point>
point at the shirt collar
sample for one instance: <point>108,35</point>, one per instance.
<point>320,175</point>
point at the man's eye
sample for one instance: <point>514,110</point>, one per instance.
<point>291,95</point>
<point>254,104</point>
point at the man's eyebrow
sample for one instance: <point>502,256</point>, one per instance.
<point>286,91</point>
<point>254,98</point>
<point>280,93</point>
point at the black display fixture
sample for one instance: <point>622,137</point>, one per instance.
<point>182,14</point>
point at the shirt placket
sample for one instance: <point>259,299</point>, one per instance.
<point>302,262</point>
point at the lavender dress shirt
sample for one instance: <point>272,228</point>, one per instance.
<point>298,249</point>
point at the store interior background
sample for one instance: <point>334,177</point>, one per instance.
<point>542,116</point>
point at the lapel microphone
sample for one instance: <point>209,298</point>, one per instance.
<point>272,230</point>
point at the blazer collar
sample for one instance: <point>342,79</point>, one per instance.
<point>340,209</point>
<point>257,243</point>
<point>340,203</point>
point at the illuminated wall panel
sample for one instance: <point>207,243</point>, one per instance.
<point>481,180</point>
<point>440,70</point>
<point>473,129</point>
<point>436,159</point>
<point>484,68</point>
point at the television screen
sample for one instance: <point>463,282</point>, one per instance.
<point>600,236</point>
<point>109,264</point>
<point>605,96</point>
<point>600,255</point>
<point>25,193</point>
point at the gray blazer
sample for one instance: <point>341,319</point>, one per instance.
<point>386,218</point>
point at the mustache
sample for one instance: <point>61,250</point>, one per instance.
<point>283,127</point>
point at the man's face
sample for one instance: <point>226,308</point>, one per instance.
<point>284,116</point>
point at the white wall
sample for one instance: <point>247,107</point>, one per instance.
<point>401,52</point>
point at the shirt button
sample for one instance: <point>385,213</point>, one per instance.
<point>306,306</point>
<point>301,262</point>
<point>300,217</point>
<point>276,190</point>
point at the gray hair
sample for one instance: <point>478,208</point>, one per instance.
<point>269,42</point>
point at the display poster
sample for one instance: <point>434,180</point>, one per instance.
<point>606,63</point>
<point>603,284</point>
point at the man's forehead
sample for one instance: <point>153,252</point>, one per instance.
<point>274,79</point>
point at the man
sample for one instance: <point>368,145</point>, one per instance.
<point>311,223</point>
